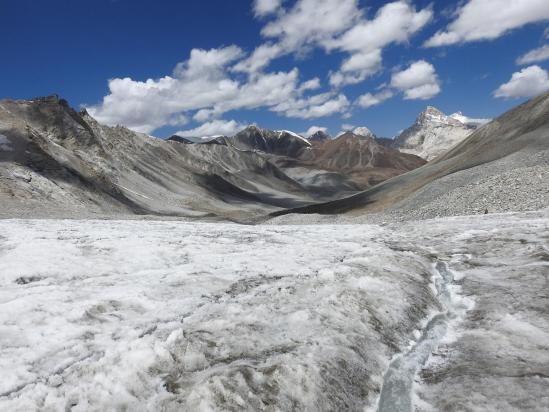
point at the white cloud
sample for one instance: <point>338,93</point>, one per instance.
<point>536,55</point>
<point>260,58</point>
<point>202,84</point>
<point>338,25</point>
<point>204,114</point>
<point>369,99</point>
<point>266,7</point>
<point>356,68</point>
<point>528,82</point>
<point>319,105</point>
<point>313,129</point>
<point>419,81</point>
<point>312,22</point>
<point>347,127</point>
<point>393,23</point>
<point>312,84</point>
<point>489,19</point>
<point>213,128</point>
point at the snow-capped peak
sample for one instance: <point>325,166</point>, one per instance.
<point>363,131</point>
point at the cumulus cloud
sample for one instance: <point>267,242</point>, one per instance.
<point>536,55</point>
<point>266,7</point>
<point>528,82</point>
<point>209,84</point>
<point>260,58</point>
<point>419,81</point>
<point>393,23</point>
<point>310,84</point>
<point>489,19</point>
<point>203,85</point>
<point>369,99</point>
<point>356,68</point>
<point>213,128</point>
<point>338,25</point>
<point>312,22</point>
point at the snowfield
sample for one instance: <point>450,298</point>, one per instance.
<point>150,315</point>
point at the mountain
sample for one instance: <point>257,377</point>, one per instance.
<point>361,158</point>
<point>432,134</point>
<point>59,162</point>
<point>361,131</point>
<point>277,142</point>
<point>318,136</point>
<point>502,166</point>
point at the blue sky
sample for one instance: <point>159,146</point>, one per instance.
<point>167,66</point>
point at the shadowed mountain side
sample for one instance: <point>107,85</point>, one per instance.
<point>517,139</point>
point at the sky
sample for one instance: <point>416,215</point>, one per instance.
<point>208,67</point>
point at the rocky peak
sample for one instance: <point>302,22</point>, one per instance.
<point>432,116</point>
<point>319,136</point>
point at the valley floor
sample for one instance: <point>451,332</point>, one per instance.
<point>169,315</point>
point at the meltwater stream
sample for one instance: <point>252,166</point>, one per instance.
<point>396,392</point>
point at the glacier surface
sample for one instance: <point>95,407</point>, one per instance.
<point>168,315</point>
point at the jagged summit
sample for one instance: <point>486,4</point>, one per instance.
<point>319,136</point>
<point>432,115</point>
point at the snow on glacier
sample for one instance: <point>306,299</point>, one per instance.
<point>149,315</point>
<point>128,313</point>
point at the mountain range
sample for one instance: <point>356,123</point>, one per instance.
<point>60,162</point>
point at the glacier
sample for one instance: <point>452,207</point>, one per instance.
<point>174,315</point>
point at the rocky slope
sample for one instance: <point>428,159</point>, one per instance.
<point>432,134</point>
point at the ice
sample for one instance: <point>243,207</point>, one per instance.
<point>153,315</point>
